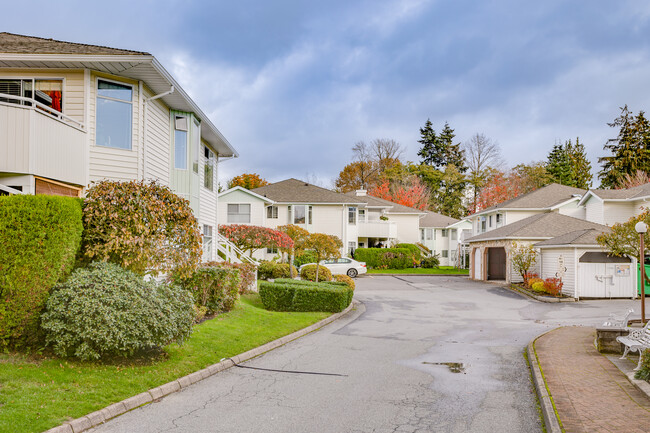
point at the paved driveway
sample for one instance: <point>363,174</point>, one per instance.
<point>423,354</point>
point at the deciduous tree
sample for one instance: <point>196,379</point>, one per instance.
<point>481,154</point>
<point>523,258</point>
<point>498,188</point>
<point>247,180</point>
<point>299,237</point>
<point>324,246</point>
<point>531,176</point>
<point>252,238</point>
<point>409,192</point>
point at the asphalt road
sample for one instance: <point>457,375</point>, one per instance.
<point>423,354</point>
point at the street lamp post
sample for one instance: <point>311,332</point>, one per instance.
<point>641,228</point>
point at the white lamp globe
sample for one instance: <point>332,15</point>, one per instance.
<point>641,227</point>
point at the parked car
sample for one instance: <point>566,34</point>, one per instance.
<point>345,266</point>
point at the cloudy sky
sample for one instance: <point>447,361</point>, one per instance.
<point>294,84</point>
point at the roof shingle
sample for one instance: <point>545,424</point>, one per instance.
<point>545,197</point>
<point>20,44</point>
<point>297,191</point>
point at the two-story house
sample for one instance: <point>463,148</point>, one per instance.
<point>73,113</point>
<point>610,206</point>
<point>444,236</point>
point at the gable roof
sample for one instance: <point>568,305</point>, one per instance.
<point>541,226</point>
<point>13,43</point>
<point>628,194</point>
<point>434,219</point>
<point>391,207</point>
<point>298,191</point>
<point>544,198</point>
<point>19,51</point>
<point>585,237</point>
<point>245,191</point>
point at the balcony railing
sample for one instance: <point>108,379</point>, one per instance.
<point>36,139</point>
<point>378,229</point>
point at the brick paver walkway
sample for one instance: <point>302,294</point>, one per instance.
<point>590,393</point>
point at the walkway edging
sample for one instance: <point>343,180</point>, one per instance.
<point>116,409</point>
<point>545,400</point>
<point>546,299</point>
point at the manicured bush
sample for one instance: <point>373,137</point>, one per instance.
<point>143,227</point>
<point>310,283</point>
<point>345,279</point>
<point>105,311</point>
<point>39,239</point>
<point>246,274</point>
<point>214,287</point>
<point>415,251</point>
<point>553,286</point>
<point>309,273</point>
<point>430,262</point>
<point>304,258</point>
<point>644,372</point>
<point>397,260</point>
<point>273,270</point>
<point>285,296</point>
<point>538,286</point>
<point>533,280</point>
<point>376,258</point>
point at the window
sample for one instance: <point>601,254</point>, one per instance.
<point>351,247</point>
<point>483,224</point>
<point>239,213</point>
<point>499,220</point>
<point>454,234</point>
<point>444,233</point>
<point>180,143</point>
<point>208,171</point>
<point>445,253</point>
<point>301,214</point>
<point>490,221</point>
<point>421,235</point>
<point>46,92</point>
<point>352,215</point>
<point>429,234</point>
<point>271,251</point>
<point>207,243</point>
<point>196,146</point>
<point>362,215</point>
<point>114,115</point>
<point>272,212</point>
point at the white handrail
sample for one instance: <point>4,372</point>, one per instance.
<point>56,114</point>
<point>232,251</point>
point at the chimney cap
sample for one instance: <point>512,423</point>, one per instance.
<point>361,192</point>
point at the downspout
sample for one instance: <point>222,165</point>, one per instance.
<point>144,122</point>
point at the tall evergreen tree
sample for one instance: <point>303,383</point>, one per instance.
<point>439,151</point>
<point>567,164</point>
<point>630,150</point>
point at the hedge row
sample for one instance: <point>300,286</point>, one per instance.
<point>40,236</point>
<point>417,253</point>
<point>392,258</point>
<point>273,270</point>
<point>290,296</point>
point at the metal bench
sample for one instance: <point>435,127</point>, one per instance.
<point>614,321</point>
<point>637,340</point>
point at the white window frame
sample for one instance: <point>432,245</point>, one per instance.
<point>272,212</point>
<point>207,242</point>
<point>352,215</point>
<point>238,213</point>
<point>121,83</point>
<point>209,162</point>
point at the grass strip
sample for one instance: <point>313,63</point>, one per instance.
<point>444,270</point>
<point>38,393</point>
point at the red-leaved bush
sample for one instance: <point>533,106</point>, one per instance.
<point>252,238</point>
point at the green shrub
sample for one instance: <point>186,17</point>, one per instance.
<point>430,262</point>
<point>285,296</point>
<point>39,239</point>
<point>304,258</point>
<point>644,372</point>
<point>309,273</point>
<point>143,227</point>
<point>273,270</point>
<point>376,257</point>
<point>104,311</point>
<point>214,287</point>
<point>310,283</point>
<point>247,273</point>
<point>414,250</point>
<point>538,286</point>
<point>345,279</point>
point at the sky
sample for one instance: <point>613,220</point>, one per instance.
<point>293,85</point>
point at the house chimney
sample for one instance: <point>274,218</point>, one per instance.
<point>361,193</point>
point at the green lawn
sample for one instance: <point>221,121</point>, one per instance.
<point>424,271</point>
<point>37,394</point>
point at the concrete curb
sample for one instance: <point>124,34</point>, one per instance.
<point>417,275</point>
<point>545,400</point>
<point>100,416</point>
<point>547,299</point>
<point>621,364</point>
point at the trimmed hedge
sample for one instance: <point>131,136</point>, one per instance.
<point>417,253</point>
<point>344,279</point>
<point>399,258</point>
<point>310,283</point>
<point>105,311</point>
<point>273,270</point>
<point>214,287</point>
<point>309,273</point>
<point>39,237</point>
<point>285,296</point>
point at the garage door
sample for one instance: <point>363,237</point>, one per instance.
<point>496,265</point>
<point>478,274</point>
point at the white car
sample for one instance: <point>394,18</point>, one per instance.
<point>343,266</point>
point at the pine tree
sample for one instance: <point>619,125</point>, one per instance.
<point>433,151</point>
<point>567,164</point>
<point>581,166</point>
<point>630,150</point>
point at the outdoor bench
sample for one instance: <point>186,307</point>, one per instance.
<point>636,341</point>
<point>614,321</point>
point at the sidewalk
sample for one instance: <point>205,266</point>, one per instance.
<point>589,392</point>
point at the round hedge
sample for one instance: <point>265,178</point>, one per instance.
<point>104,310</point>
<point>309,273</point>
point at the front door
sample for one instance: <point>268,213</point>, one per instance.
<point>496,263</point>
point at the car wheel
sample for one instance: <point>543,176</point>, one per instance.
<point>352,273</point>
